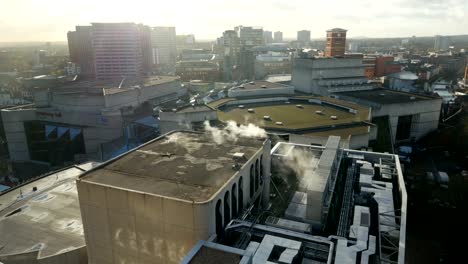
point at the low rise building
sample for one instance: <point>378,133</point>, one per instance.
<point>272,63</point>
<point>399,115</point>
<point>324,76</point>
<point>305,119</point>
<point>154,203</point>
<point>41,220</point>
<point>82,119</point>
<point>402,81</point>
<point>346,207</point>
<point>185,118</point>
<point>260,88</point>
<point>205,70</point>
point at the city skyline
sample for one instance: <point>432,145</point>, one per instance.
<point>207,19</point>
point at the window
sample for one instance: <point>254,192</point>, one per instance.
<point>251,181</point>
<point>234,201</point>
<point>241,195</point>
<point>219,218</point>
<point>257,175</point>
<point>227,209</point>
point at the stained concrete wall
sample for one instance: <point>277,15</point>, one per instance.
<point>15,132</point>
<point>239,92</point>
<point>425,116</point>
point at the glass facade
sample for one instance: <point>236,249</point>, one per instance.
<point>53,143</point>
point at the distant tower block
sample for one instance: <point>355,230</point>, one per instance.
<point>336,42</point>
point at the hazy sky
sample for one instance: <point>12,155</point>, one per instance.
<point>40,20</point>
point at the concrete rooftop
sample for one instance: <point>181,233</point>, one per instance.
<point>46,221</point>
<point>259,85</point>
<point>386,96</point>
<point>182,165</point>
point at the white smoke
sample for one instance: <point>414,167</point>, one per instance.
<point>232,132</point>
<point>302,162</point>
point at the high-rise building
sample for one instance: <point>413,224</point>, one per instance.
<point>336,42</point>
<point>146,47</point>
<point>117,50</point>
<point>303,36</point>
<point>267,37</point>
<point>231,48</point>
<point>164,45</point>
<point>250,36</point>
<point>278,37</point>
<point>441,43</point>
<point>80,46</point>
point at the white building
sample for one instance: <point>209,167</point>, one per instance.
<point>407,116</point>
<point>324,76</point>
<point>163,41</point>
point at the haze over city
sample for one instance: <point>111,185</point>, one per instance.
<point>233,132</point>
<point>29,20</point>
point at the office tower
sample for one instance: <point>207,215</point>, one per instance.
<point>303,36</point>
<point>80,46</point>
<point>250,36</point>
<point>231,48</point>
<point>278,37</point>
<point>117,50</point>
<point>163,40</point>
<point>336,42</point>
<point>441,43</point>
<point>267,37</point>
<point>146,47</point>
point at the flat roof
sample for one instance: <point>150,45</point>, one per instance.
<point>292,116</point>
<point>194,109</point>
<point>386,96</point>
<point>189,166</point>
<point>111,86</point>
<point>259,85</point>
<point>344,132</point>
<point>48,220</point>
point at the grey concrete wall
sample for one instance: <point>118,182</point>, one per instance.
<point>236,92</point>
<point>425,115</point>
<point>317,75</point>
<point>136,96</point>
<point>170,121</point>
<point>77,103</point>
<point>13,123</point>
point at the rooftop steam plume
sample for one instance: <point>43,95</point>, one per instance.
<point>232,132</point>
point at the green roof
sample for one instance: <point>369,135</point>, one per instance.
<point>291,116</point>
